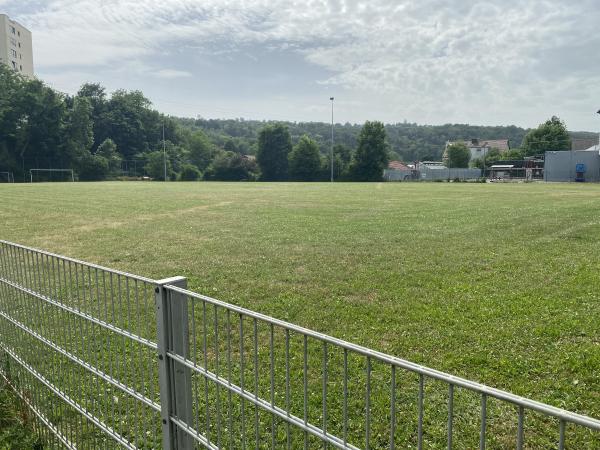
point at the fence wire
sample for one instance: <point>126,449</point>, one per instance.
<point>106,359</point>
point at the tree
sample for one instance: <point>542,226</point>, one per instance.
<point>551,135</point>
<point>274,146</point>
<point>201,151</point>
<point>230,166</point>
<point>513,153</point>
<point>189,172</point>
<point>155,166</point>
<point>108,150</point>
<point>92,167</point>
<point>458,155</point>
<point>342,156</point>
<point>304,160</point>
<point>371,156</point>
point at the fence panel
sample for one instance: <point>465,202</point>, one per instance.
<point>106,359</point>
<point>258,382</point>
<point>78,344</point>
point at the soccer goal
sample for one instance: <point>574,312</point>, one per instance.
<point>51,172</point>
<point>8,176</point>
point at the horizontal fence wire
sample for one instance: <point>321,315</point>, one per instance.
<point>78,344</point>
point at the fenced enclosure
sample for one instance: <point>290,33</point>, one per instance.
<point>106,359</point>
<point>432,174</point>
<point>51,175</point>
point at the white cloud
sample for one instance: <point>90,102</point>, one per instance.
<point>512,58</point>
<point>171,74</point>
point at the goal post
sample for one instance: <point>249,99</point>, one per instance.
<point>10,177</point>
<point>31,171</point>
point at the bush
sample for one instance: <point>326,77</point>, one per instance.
<point>189,172</point>
<point>229,166</point>
<point>92,168</point>
<point>155,166</point>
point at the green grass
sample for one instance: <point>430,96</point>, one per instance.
<point>16,422</point>
<point>498,283</point>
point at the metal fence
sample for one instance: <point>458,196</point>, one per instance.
<point>105,359</point>
<point>432,174</point>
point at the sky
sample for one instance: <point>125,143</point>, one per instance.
<point>425,61</point>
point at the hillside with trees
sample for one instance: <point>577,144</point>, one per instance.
<point>119,135</point>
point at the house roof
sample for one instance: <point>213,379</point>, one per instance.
<point>583,144</point>
<point>397,165</point>
<point>500,144</point>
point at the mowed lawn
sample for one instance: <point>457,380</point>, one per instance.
<point>498,283</point>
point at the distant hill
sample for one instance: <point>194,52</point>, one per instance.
<point>409,141</point>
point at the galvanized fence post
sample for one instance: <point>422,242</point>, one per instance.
<point>174,379</point>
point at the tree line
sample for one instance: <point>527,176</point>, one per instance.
<point>106,136</point>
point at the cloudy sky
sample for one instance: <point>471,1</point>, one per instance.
<point>426,61</point>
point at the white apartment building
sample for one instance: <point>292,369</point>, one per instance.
<point>16,50</point>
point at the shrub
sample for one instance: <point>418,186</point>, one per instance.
<point>189,172</point>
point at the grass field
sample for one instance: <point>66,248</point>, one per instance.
<point>496,283</point>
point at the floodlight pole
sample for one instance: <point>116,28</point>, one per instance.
<point>331,98</point>
<point>598,112</point>
<point>164,149</point>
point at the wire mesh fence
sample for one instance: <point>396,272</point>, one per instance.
<point>105,359</point>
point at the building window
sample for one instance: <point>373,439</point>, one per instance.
<point>21,68</point>
<point>19,33</point>
<point>13,53</point>
<point>13,41</point>
<point>12,29</point>
<point>14,65</point>
<point>19,45</point>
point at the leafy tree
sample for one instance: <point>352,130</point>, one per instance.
<point>201,151</point>
<point>230,166</point>
<point>304,160</point>
<point>371,156</point>
<point>274,145</point>
<point>513,153</point>
<point>551,135</point>
<point>458,155</point>
<point>108,150</point>
<point>189,172</point>
<point>230,146</point>
<point>342,156</point>
<point>155,166</point>
<point>92,167</point>
<point>79,133</point>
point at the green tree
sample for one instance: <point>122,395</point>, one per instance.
<point>92,167</point>
<point>189,172</point>
<point>371,156</point>
<point>79,135</point>
<point>108,150</point>
<point>458,155</point>
<point>230,166</point>
<point>304,160</point>
<point>201,151</point>
<point>274,146</point>
<point>155,166</point>
<point>513,153</point>
<point>342,156</point>
<point>551,135</point>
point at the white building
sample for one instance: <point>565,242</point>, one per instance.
<point>478,148</point>
<point>16,49</point>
